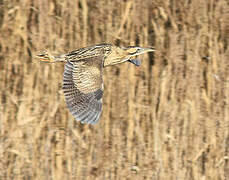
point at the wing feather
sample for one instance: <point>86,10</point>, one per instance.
<point>83,89</point>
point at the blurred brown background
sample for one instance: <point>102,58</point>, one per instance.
<point>168,119</point>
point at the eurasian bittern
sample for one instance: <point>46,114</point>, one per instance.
<point>83,80</point>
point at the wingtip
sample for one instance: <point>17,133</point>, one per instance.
<point>136,62</point>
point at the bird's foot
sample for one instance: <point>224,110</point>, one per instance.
<point>46,57</point>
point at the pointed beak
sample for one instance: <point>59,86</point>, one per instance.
<point>134,51</point>
<point>144,50</point>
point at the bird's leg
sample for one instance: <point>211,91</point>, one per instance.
<point>46,56</point>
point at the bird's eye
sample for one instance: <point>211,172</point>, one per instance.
<point>107,50</point>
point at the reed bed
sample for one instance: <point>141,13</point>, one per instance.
<point>168,119</point>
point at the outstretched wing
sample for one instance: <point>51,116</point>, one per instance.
<point>83,88</point>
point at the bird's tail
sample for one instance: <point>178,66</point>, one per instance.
<point>48,57</point>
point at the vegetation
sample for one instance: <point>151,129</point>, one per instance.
<point>167,119</point>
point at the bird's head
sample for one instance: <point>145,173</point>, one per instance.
<point>134,51</point>
<point>119,55</point>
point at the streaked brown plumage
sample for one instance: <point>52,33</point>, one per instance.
<point>83,80</point>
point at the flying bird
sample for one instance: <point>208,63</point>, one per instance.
<point>83,79</point>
